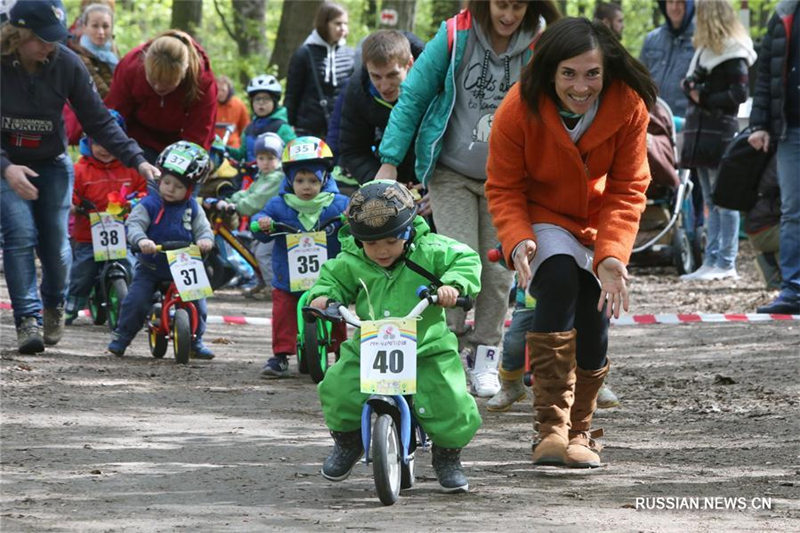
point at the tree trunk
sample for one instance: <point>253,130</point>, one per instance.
<point>187,15</point>
<point>397,14</point>
<point>297,21</point>
<point>249,27</point>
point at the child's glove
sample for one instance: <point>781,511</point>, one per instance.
<point>205,245</point>
<point>146,246</point>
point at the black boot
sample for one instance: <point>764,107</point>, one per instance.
<point>347,450</point>
<point>447,465</point>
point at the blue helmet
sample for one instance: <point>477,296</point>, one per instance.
<point>85,144</point>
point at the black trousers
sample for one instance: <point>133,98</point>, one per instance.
<point>566,298</point>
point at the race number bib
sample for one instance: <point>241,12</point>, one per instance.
<point>389,356</point>
<point>306,253</point>
<point>108,237</point>
<point>189,273</point>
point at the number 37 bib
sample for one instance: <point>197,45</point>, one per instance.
<point>389,356</point>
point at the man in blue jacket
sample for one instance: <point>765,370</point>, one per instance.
<point>667,51</point>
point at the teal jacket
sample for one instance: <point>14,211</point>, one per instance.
<point>351,277</point>
<point>427,97</point>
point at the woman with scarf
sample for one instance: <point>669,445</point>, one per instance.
<point>317,72</point>
<point>716,83</point>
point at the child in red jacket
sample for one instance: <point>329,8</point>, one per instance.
<point>97,173</point>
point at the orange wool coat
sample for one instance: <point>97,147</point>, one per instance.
<point>595,189</point>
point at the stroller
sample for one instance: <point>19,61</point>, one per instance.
<point>667,233</point>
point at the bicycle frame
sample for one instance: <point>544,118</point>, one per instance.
<point>173,299</point>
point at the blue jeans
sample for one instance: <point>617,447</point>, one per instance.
<point>136,305</point>
<point>514,339</point>
<point>789,181</point>
<point>83,275</point>
<point>722,226</point>
<point>37,227</point>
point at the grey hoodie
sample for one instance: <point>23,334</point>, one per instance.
<point>482,81</point>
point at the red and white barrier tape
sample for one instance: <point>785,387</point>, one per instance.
<point>629,320</point>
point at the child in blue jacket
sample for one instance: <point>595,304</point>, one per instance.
<point>308,199</point>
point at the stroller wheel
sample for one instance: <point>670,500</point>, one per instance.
<point>682,253</point>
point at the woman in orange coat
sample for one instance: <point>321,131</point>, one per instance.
<point>567,174</point>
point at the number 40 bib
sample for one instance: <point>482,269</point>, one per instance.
<point>389,356</point>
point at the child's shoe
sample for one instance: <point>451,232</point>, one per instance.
<point>606,398</point>
<point>483,373</point>
<point>447,465</point>
<point>511,391</point>
<point>117,346</point>
<point>347,450</point>
<point>201,351</point>
<point>69,317</point>
<point>276,367</point>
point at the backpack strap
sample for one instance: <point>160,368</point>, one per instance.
<point>436,282</point>
<point>323,101</point>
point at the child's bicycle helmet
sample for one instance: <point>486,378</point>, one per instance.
<point>307,152</point>
<point>265,83</point>
<point>85,144</point>
<point>380,209</point>
<point>186,161</point>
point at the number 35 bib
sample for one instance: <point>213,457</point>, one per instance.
<point>306,253</point>
<point>389,356</point>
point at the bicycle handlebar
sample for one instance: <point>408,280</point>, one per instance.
<point>287,228</point>
<point>164,246</point>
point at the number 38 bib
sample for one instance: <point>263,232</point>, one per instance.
<point>389,356</point>
<point>306,253</point>
<point>108,237</point>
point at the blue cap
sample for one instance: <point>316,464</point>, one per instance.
<point>45,18</point>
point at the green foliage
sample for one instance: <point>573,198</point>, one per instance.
<point>140,20</point>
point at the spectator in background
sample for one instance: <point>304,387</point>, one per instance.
<point>776,118</point>
<point>370,97</point>
<point>611,15</point>
<point>317,72</point>
<point>231,111</point>
<point>166,92</point>
<point>716,83</point>
<point>668,50</point>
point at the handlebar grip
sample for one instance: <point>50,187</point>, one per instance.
<point>465,302</point>
<point>494,255</point>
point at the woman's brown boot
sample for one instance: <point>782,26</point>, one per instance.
<point>582,451</point>
<point>552,356</point>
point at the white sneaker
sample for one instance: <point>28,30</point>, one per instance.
<point>698,274</point>
<point>484,379</point>
<point>725,273</point>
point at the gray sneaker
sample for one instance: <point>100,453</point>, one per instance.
<point>53,325</point>
<point>29,336</point>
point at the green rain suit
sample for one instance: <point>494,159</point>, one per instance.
<point>442,405</point>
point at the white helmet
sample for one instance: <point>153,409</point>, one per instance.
<point>265,83</point>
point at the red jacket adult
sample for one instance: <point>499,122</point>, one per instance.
<point>594,189</point>
<point>93,181</point>
<point>157,121</point>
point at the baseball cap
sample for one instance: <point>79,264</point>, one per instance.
<point>45,18</point>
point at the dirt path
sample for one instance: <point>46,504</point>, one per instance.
<point>92,442</point>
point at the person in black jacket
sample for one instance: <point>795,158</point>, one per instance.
<point>776,118</point>
<point>38,76</point>
<point>317,72</point>
<point>387,56</point>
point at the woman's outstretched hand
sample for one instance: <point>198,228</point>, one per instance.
<point>522,256</point>
<point>613,286</point>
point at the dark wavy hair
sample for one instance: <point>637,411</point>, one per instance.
<point>547,9</point>
<point>326,13</point>
<point>570,37</point>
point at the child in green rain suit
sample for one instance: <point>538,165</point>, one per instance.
<point>383,238</point>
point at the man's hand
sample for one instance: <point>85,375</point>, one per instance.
<point>147,246</point>
<point>613,286</point>
<point>205,245</point>
<point>148,171</point>
<point>387,172</point>
<point>17,178</point>
<point>522,257</point>
<point>447,296</point>
<point>759,140</point>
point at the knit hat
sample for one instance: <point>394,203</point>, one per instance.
<point>268,142</point>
